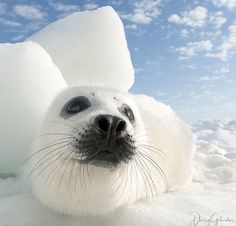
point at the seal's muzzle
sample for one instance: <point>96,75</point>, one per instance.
<point>111,145</point>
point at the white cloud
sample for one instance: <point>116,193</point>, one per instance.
<point>192,18</point>
<point>152,62</point>
<point>30,12</point>
<point>184,33</point>
<point>209,96</point>
<point>217,98</point>
<point>10,23</point>
<point>139,17</point>
<point>228,46</point>
<point>116,2</point>
<point>131,26</point>
<point>61,7</point>
<point>3,8</point>
<point>199,17</point>
<point>218,74</point>
<point>220,69</point>
<point>192,48</point>
<point>229,4</point>
<point>209,78</point>
<point>90,6</point>
<point>217,19</point>
<point>223,70</point>
<point>191,66</point>
<point>35,25</point>
<point>138,70</point>
<point>144,11</point>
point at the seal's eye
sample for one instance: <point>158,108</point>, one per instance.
<point>77,104</point>
<point>126,110</point>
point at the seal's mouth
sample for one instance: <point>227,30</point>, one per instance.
<point>105,154</point>
<point>104,158</point>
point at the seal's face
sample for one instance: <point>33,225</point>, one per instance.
<point>85,153</point>
<point>104,139</point>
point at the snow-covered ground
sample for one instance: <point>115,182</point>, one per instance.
<point>218,132</point>
<point>210,197</point>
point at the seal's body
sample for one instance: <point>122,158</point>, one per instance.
<point>99,149</point>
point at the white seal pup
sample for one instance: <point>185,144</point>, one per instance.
<point>99,149</point>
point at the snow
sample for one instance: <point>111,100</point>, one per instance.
<point>89,48</point>
<point>215,159</point>
<point>29,82</point>
<point>211,192</point>
<point>221,132</point>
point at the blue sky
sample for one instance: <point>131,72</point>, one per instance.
<point>184,52</point>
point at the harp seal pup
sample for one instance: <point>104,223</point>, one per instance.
<point>99,149</point>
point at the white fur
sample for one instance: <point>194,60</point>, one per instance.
<point>71,188</point>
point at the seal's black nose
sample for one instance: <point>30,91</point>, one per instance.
<point>109,125</point>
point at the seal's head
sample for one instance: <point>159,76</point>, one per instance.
<point>99,149</point>
<point>84,160</point>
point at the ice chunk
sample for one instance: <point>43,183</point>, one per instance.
<point>90,49</point>
<point>28,82</point>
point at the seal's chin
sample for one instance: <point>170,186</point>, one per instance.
<point>105,159</point>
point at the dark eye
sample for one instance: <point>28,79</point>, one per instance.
<point>126,110</point>
<point>76,105</point>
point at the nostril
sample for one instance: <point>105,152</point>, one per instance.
<point>110,125</point>
<point>121,126</point>
<point>103,124</point>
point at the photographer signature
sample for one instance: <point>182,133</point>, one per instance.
<point>213,220</point>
